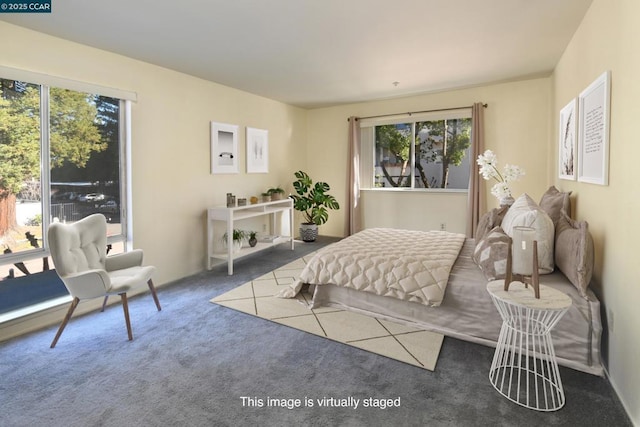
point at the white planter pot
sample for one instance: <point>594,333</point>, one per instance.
<point>237,245</point>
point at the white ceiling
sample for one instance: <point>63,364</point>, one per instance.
<point>313,53</point>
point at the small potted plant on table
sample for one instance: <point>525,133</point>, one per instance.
<point>238,237</point>
<point>276,193</point>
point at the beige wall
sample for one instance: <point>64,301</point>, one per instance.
<point>172,184</point>
<point>516,128</point>
<point>446,210</point>
<point>609,39</point>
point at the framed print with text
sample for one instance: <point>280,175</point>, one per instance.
<point>593,133</point>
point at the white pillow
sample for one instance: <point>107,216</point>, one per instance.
<point>525,212</point>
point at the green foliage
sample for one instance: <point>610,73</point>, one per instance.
<point>35,221</point>
<point>312,199</point>
<point>440,140</point>
<point>237,235</point>
<point>397,142</point>
<point>275,190</point>
<point>74,133</point>
<point>19,140</point>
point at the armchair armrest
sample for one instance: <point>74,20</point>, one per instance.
<point>124,260</point>
<point>87,284</point>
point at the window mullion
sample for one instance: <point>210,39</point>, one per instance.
<point>45,169</point>
<point>126,206</point>
<point>413,156</point>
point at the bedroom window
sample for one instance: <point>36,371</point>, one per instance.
<point>61,159</point>
<point>423,153</point>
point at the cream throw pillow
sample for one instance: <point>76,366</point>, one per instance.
<point>554,201</point>
<point>525,212</point>
<point>574,252</point>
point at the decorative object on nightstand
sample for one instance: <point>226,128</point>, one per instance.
<point>524,367</point>
<point>522,259</point>
<point>488,163</point>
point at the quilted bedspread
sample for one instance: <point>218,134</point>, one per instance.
<point>405,264</point>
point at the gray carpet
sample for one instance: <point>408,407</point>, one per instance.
<point>192,363</point>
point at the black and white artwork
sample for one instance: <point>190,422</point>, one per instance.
<point>257,150</point>
<point>568,141</point>
<point>224,148</point>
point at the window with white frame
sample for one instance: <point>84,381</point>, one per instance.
<point>62,158</point>
<point>421,151</point>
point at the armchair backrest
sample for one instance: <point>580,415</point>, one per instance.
<point>78,246</point>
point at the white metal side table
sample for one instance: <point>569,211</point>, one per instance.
<point>524,367</point>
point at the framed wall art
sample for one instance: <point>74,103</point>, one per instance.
<point>224,148</point>
<point>568,141</point>
<point>593,133</point>
<point>257,150</point>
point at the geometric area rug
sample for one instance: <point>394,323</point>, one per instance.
<point>394,340</point>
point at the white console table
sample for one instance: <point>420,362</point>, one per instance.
<point>233,214</point>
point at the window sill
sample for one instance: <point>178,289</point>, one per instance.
<point>34,309</point>
<point>417,190</point>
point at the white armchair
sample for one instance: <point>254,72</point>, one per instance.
<point>79,253</point>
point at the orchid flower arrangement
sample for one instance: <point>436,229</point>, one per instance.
<point>488,163</point>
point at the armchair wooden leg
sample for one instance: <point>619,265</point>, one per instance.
<point>72,307</point>
<point>155,295</point>
<point>125,307</point>
<point>104,303</point>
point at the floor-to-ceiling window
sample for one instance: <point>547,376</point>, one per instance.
<point>62,158</point>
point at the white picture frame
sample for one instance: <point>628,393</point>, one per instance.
<point>224,148</point>
<point>568,141</point>
<point>593,136</point>
<point>257,150</point>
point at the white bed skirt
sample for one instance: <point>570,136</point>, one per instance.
<point>467,313</point>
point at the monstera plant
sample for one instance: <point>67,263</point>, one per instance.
<point>314,202</point>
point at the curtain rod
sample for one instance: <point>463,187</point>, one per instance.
<point>417,112</point>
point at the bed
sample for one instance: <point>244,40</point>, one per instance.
<point>461,307</point>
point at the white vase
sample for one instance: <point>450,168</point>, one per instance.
<point>237,245</point>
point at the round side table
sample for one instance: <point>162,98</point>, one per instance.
<point>524,367</point>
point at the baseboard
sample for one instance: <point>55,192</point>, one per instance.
<point>636,423</point>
